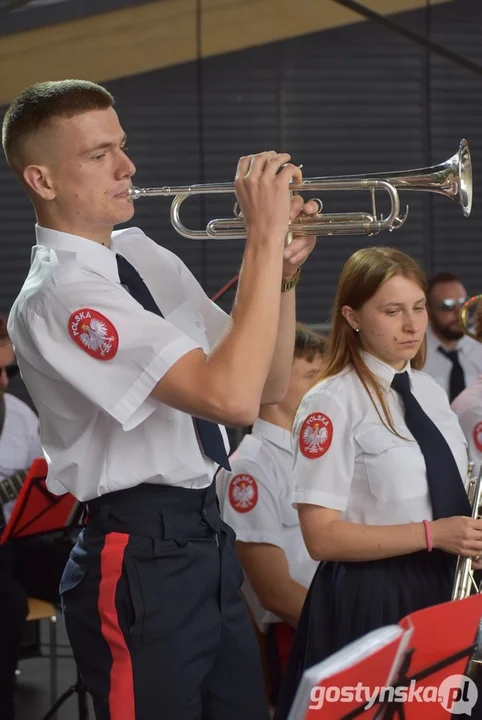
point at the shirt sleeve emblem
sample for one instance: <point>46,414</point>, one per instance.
<point>94,333</point>
<point>316,435</point>
<point>478,436</point>
<point>243,493</point>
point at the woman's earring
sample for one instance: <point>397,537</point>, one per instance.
<point>357,330</point>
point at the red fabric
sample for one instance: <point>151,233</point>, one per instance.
<point>36,510</point>
<point>121,691</point>
<point>284,635</point>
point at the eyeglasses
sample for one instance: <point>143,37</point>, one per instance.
<point>449,304</point>
<point>11,370</point>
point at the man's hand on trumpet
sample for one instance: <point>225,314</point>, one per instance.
<point>301,245</point>
<point>262,189</point>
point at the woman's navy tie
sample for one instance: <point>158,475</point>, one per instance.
<point>446,487</point>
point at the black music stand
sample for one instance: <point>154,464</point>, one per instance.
<point>81,691</point>
<point>36,510</point>
<point>39,512</point>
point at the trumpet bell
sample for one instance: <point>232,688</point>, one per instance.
<point>465,191</point>
<point>471,317</point>
<point>452,178</point>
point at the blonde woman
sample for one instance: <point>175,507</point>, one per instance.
<point>380,464</point>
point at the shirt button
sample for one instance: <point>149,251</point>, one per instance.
<point>198,324</point>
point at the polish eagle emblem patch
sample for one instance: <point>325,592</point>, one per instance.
<point>94,333</point>
<point>243,493</point>
<point>478,436</point>
<point>316,435</point>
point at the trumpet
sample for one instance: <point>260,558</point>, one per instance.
<point>464,581</point>
<point>452,178</point>
<point>471,317</point>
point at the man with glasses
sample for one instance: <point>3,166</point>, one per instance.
<point>14,422</point>
<point>19,426</point>
<point>453,359</point>
<point>30,567</point>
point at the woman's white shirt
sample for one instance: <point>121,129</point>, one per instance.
<point>346,459</point>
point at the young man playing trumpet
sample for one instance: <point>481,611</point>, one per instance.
<point>131,368</point>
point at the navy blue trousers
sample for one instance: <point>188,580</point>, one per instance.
<point>154,614</point>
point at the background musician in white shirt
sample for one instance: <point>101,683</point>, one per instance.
<point>29,567</point>
<point>468,405</point>
<point>255,499</point>
<point>453,359</point>
<point>13,598</point>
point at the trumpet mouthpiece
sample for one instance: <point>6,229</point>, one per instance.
<point>134,193</point>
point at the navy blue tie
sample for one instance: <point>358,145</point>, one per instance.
<point>457,375</point>
<point>446,487</point>
<point>208,432</point>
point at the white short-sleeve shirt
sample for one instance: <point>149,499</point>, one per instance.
<point>255,499</point>
<point>468,407</point>
<point>90,355</point>
<point>19,441</point>
<point>439,367</point>
<point>347,460</point>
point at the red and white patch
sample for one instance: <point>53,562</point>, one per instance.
<point>94,333</point>
<point>243,493</point>
<point>316,435</point>
<point>477,434</point>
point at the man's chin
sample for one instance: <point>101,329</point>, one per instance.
<point>123,217</point>
<point>453,334</point>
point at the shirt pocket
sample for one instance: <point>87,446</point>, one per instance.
<point>190,322</point>
<point>395,467</point>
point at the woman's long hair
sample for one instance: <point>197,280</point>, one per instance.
<point>364,273</point>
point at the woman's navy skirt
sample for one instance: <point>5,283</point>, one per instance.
<point>346,600</point>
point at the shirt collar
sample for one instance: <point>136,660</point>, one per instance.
<point>383,371</point>
<point>463,344</point>
<point>273,433</point>
<point>96,256</point>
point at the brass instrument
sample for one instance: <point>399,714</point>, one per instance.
<point>464,583</point>
<point>471,317</point>
<point>452,178</point>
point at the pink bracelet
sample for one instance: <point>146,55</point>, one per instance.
<point>427,535</point>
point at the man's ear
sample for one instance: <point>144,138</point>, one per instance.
<point>38,179</point>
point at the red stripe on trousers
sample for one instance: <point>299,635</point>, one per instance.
<point>121,686</point>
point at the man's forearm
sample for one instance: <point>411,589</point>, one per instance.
<point>280,371</point>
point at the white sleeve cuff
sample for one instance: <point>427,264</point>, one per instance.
<point>136,405</point>
<point>317,497</point>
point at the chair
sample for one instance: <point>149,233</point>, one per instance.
<point>41,610</point>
